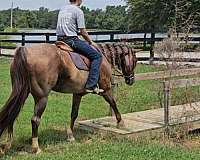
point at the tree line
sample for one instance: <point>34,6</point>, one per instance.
<point>162,15</point>
<point>149,15</point>
<point>113,17</point>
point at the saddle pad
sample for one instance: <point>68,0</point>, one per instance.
<point>62,45</point>
<point>80,61</point>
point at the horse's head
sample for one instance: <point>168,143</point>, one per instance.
<point>123,59</point>
<point>127,62</point>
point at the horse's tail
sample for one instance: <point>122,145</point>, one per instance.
<point>20,90</point>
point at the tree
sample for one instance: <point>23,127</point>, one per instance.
<point>160,15</point>
<point>115,17</point>
<point>149,14</point>
<point>187,13</point>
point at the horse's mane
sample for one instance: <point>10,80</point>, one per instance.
<point>113,51</point>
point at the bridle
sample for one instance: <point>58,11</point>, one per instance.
<point>119,71</point>
<point>131,76</point>
<point>116,58</point>
<point>120,74</point>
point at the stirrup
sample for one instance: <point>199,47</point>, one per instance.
<point>96,90</point>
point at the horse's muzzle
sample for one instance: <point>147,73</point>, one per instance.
<point>130,79</point>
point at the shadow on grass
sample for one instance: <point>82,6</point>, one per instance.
<point>57,135</point>
<point>47,137</point>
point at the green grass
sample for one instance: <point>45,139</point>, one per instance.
<point>8,44</point>
<point>111,150</point>
<point>143,68</point>
<point>141,96</point>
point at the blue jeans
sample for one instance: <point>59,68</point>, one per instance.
<point>94,56</point>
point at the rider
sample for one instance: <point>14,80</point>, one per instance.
<point>70,22</point>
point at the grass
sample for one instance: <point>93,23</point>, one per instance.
<point>52,136</point>
<point>8,44</point>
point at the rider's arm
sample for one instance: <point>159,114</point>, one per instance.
<point>82,28</point>
<point>84,34</point>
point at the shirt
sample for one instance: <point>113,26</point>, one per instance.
<point>70,20</point>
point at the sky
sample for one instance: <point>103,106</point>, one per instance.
<point>56,4</point>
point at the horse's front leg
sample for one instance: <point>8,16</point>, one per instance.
<point>74,114</point>
<point>40,105</point>
<point>108,96</point>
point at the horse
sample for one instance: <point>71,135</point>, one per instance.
<point>42,68</point>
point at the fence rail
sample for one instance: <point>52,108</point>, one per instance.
<point>113,37</point>
<point>151,40</point>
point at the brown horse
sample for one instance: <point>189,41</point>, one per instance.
<point>44,67</point>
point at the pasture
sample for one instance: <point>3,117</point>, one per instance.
<point>52,137</point>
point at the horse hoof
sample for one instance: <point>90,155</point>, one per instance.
<point>121,124</point>
<point>4,148</point>
<point>8,146</point>
<point>2,151</point>
<point>36,151</point>
<point>71,139</point>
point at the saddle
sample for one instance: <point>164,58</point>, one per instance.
<point>81,62</point>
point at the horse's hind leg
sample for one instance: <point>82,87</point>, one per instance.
<point>9,137</point>
<point>74,114</point>
<point>108,96</point>
<point>40,105</point>
<point>5,147</point>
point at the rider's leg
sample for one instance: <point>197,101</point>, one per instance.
<point>84,48</point>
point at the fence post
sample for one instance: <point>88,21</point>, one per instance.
<point>166,92</point>
<point>0,49</point>
<point>47,37</point>
<point>23,39</point>
<point>151,48</point>
<point>111,37</point>
<point>145,41</point>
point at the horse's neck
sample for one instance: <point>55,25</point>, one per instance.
<point>107,53</point>
<point>110,53</point>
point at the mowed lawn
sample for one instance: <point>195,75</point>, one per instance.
<point>52,136</point>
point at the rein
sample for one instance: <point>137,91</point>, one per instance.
<point>120,74</point>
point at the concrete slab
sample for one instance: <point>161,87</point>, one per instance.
<point>143,121</point>
<point>109,125</point>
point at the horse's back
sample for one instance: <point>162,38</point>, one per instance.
<point>43,57</point>
<point>41,52</point>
